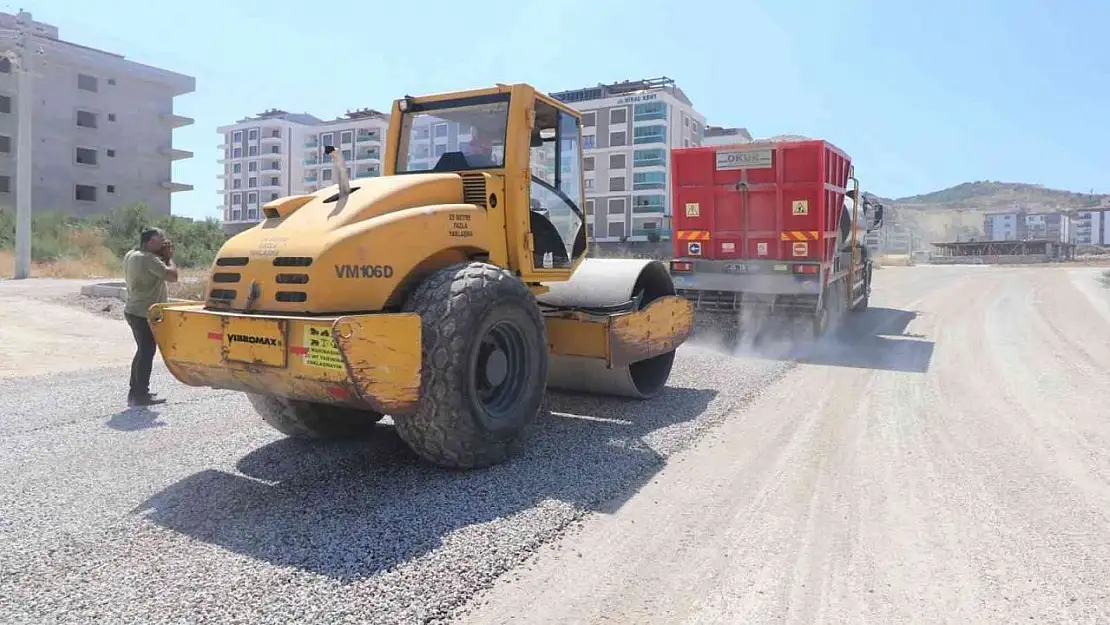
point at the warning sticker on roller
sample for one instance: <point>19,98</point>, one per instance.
<point>321,350</point>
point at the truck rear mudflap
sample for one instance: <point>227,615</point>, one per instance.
<point>362,361</point>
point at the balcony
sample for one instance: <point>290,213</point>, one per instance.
<point>269,138</point>
<point>174,187</point>
<point>175,154</point>
<point>368,137</point>
<point>367,155</point>
<point>309,162</point>
<point>177,121</point>
<point>311,144</point>
<point>310,178</point>
<point>368,172</point>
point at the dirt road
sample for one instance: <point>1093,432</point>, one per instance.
<point>39,335</point>
<point>952,465</point>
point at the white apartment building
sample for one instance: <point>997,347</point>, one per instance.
<point>1092,227</point>
<point>277,153</point>
<point>629,129</point>
<point>102,125</point>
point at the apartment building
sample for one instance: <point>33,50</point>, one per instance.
<point>277,153</point>
<point>1023,226</point>
<point>1092,227</point>
<point>102,125</point>
<point>629,129</point>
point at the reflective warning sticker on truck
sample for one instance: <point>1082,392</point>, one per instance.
<point>799,207</point>
<point>761,248</point>
<point>693,209</point>
<point>693,248</point>
<point>801,249</point>
<point>320,349</point>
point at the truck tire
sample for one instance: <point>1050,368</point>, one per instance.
<point>309,420</point>
<point>484,373</point>
<point>863,303</point>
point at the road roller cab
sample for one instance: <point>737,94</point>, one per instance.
<point>449,293</point>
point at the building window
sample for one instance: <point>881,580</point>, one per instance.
<point>589,120</point>
<point>236,199</point>
<point>5,104</point>
<point>275,149</point>
<point>327,139</point>
<point>649,158</point>
<point>589,207</point>
<point>649,180</point>
<point>617,139</point>
<point>5,184</point>
<point>273,196</point>
<point>252,182</point>
<point>618,161</point>
<point>111,117</point>
<point>616,229</point>
<point>589,184</point>
<point>589,142</point>
<point>618,116</point>
<point>252,198</point>
<point>237,183</point>
<point>87,83</point>
<point>85,193</point>
<point>648,204</point>
<point>5,144</point>
<point>325,174</point>
<point>252,134</point>
<point>346,154</point>
<point>588,163</point>
<point>616,206</point>
<point>252,166</point>
<point>346,137</point>
<point>649,110</point>
<point>86,119</point>
<point>650,134</point>
<point>275,181</point>
<point>237,153</point>
<point>616,183</point>
<point>86,156</point>
<point>252,150</point>
<point>237,137</point>
<point>441,130</point>
<point>111,188</point>
<point>111,153</point>
<point>237,168</point>
<point>5,65</point>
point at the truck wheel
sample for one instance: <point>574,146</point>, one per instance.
<point>863,303</point>
<point>309,420</point>
<point>484,373</point>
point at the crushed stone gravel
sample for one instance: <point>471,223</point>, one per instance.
<point>195,511</point>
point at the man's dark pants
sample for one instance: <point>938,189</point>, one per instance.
<point>143,361</point>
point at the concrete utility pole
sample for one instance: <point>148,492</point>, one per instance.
<point>21,61</point>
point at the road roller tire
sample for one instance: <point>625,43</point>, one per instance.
<point>309,420</point>
<point>484,355</point>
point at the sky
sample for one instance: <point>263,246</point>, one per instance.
<point>922,95</point>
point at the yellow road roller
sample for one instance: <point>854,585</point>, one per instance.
<point>449,293</point>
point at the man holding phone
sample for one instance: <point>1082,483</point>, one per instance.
<point>147,269</point>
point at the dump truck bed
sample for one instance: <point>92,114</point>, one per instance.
<point>763,201</point>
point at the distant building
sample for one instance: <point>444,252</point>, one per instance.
<point>629,129</point>
<point>1093,227</point>
<point>102,126</point>
<point>1022,226</point>
<point>719,135</point>
<point>277,153</point>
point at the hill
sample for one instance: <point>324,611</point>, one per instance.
<point>958,211</point>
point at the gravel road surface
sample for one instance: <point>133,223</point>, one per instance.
<point>953,466</point>
<point>948,463</point>
<point>196,512</point>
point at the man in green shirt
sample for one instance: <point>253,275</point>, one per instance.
<point>146,271</point>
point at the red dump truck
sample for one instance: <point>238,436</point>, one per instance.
<point>770,230</point>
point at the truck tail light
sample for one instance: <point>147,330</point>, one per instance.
<point>805,269</point>
<point>681,265</point>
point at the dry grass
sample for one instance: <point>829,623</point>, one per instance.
<point>89,267</point>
